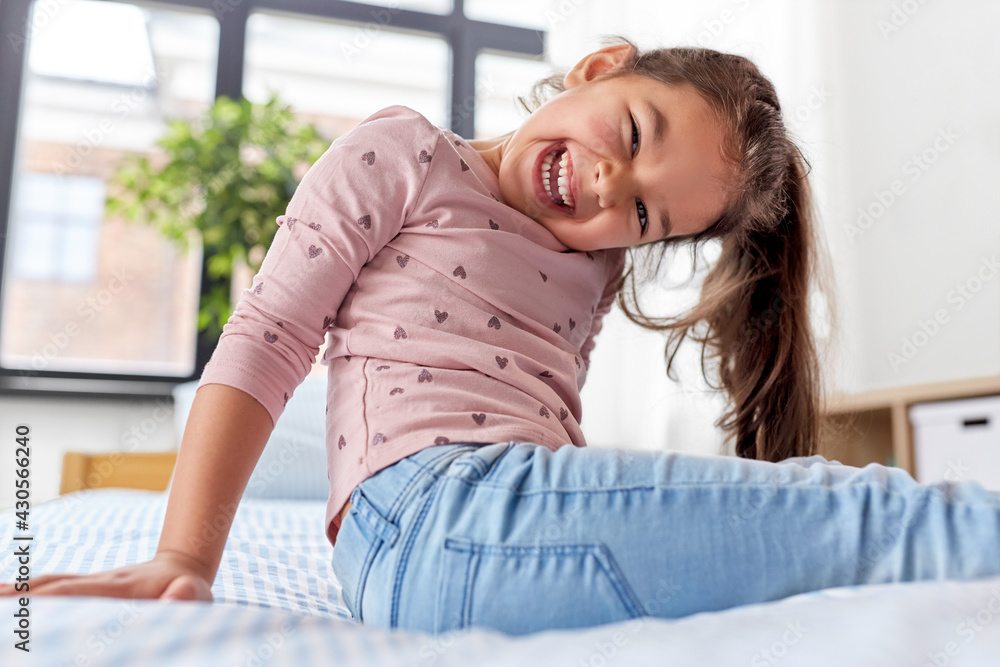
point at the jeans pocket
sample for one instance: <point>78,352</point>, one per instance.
<point>519,589</point>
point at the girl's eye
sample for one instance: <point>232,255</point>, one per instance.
<point>643,218</point>
<point>639,206</point>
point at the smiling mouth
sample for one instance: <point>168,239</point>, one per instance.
<point>554,174</point>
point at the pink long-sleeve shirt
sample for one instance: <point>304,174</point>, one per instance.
<point>452,317</point>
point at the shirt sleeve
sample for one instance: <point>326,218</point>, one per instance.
<point>615,276</point>
<point>350,203</point>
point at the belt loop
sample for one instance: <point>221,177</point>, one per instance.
<point>378,525</point>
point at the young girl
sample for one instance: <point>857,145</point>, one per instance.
<point>462,285</point>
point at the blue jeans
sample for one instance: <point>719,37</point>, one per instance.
<point>517,538</point>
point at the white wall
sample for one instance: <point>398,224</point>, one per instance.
<point>901,89</point>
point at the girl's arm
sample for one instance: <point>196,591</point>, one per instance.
<point>349,205</point>
<point>225,435</point>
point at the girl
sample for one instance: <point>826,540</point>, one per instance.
<point>462,285</point>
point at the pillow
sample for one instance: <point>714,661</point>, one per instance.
<point>293,463</point>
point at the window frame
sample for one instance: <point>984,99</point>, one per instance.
<point>465,37</point>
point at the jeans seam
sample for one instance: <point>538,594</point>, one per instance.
<point>409,538</point>
<point>463,546</point>
<point>618,580</point>
<point>470,575</point>
<point>366,565</point>
<point>946,497</point>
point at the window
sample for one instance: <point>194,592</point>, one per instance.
<point>435,6</point>
<point>83,296</point>
<point>500,79</point>
<point>336,74</point>
<point>56,228</point>
<point>82,293</point>
<point>525,13</point>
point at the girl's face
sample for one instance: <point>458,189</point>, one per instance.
<point>642,160</point>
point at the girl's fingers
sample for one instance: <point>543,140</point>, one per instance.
<point>9,588</point>
<point>48,578</point>
<point>77,586</point>
<point>164,579</point>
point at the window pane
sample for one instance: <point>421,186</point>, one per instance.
<point>81,292</point>
<point>521,13</point>
<point>430,6</point>
<point>500,79</point>
<point>337,74</point>
<point>125,60</point>
<point>56,228</point>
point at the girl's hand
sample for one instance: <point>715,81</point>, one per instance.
<point>168,576</point>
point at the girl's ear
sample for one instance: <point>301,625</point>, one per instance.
<point>597,63</point>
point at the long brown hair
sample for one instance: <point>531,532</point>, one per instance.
<point>755,299</point>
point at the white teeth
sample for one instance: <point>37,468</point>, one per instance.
<point>562,181</point>
<point>546,164</point>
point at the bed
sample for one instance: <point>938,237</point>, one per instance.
<point>277,601</point>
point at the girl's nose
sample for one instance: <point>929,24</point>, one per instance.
<point>609,183</point>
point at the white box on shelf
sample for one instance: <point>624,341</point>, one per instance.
<point>957,441</point>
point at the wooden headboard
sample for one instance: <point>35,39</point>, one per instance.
<point>146,470</point>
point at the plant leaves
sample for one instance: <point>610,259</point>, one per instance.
<point>228,174</point>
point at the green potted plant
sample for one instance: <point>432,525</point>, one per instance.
<point>226,175</point>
